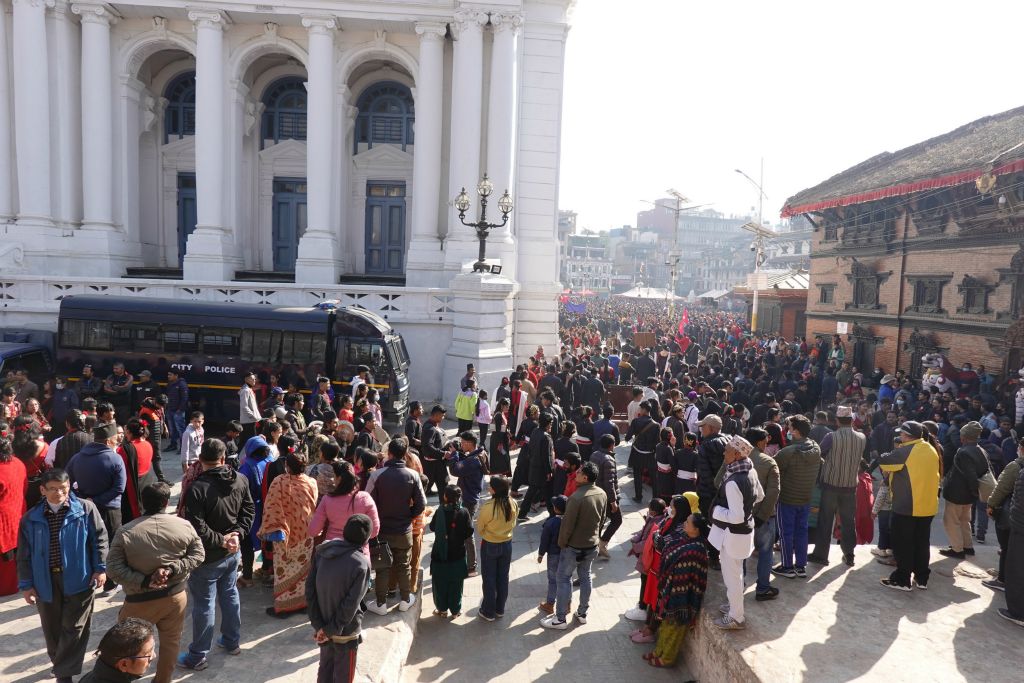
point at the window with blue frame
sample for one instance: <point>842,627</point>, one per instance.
<point>180,115</point>
<point>386,115</point>
<point>284,116</point>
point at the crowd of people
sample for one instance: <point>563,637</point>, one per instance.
<point>737,442</point>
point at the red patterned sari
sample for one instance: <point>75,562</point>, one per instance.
<point>288,507</point>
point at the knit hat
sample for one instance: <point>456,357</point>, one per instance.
<point>357,530</point>
<point>971,431</point>
<point>694,500</point>
<point>105,431</point>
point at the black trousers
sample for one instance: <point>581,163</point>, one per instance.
<point>112,521</point>
<point>437,475</point>
<point>614,522</point>
<point>911,538</point>
<point>1003,536</point>
<point>66,620</point>
<point>643,462</point>
<point>248,431</point>
<point>534,494</point>
<point>845,503</point>
<point>337,662</point>
<point>1015,575</point>
<point>483,434</point>
<point>465,425</point>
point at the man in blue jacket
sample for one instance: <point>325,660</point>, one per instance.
<point>469,465</point>
<point>98,474</point>
<point>62,556</point>
<point>177,405</point>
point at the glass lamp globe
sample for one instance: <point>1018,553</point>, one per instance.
<point>485,188</point>
<point>505,203</point>
<point>462,201</point>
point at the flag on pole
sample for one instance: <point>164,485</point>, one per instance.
<point>686,318</point>
<point>681,339</point>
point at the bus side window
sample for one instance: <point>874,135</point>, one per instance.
<point>221,341</point>
<point>181,339</point>
<point>143,338</point>
<point>303,347</point>
<point>261,346</point>
<point>97,335</point>
<point>72,334</point>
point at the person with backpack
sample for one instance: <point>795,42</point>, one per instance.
<point>999,505</point>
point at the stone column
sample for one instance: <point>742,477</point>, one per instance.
<point>501,113</point>
<point>424,261</point>
<point>97,117</point>
<point>481,304</point>
<point>6,141</point>
<point>32,113</point>
<point>317,262</point>
<point>466,123</point>
<point>210,252</point>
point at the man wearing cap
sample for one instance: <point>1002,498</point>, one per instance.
<point>362,377</point>
<point>248,406</point>
<point>710,456</point>
<point>960,491</point>
<point>146,387</point>
<point>913,471</point>
<point>732,526</point>
<point>339,577</point>
<point>434,450</point>
<point>643,432</point>
<point>887,388</point>
<point>843,454</point>
<point>98,473</point>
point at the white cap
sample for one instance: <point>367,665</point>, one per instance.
<point>844,411</point>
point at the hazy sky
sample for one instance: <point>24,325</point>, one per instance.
<point>678,93</point>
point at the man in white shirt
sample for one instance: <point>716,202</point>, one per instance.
<point>362,376</point>
<point>248,406</point>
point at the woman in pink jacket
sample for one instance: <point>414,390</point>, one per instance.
<point>345,500</point>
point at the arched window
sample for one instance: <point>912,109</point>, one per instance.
<point>386,115</point>
<point>180,115</point>
<point>285,115</point>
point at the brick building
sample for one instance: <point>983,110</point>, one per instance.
<point>922,250</point>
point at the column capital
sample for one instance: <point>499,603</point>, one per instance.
<point>506,22</point>
<point>35,3</point>
<point>470,20</point>
<point>431,30</point>
<point>211,19</point>
<point>94,13</point>
<point>319,23</point>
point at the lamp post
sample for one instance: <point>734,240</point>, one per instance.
<point>484,189</point>
<point>758,246</point>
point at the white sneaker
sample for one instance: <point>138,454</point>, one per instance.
<point>878,552</point>
<point>552,621</point>
<point>381,610</point>
<point>404,606</point>
<point>636,614</point>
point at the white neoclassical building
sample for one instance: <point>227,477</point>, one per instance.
<point>283,154</point>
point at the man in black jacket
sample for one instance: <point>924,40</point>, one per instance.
<point>433,451</point>
<point>413,427</point>
<point>960,491</point>
<point>608,481</point>
<point>542,458</point>
<point>643,432</point>
<point>710,455</point>
<point>547,405</point>
<point>220,508</point>
<point>593,391</point>
<point>399,497</point>
<point>339,577</point>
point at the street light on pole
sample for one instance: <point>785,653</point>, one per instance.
<point>674,254</point>
<point>484,189</point>
<point>758,245</point>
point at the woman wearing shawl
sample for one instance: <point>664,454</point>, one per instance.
<point>254,469</point>
<point>501,442</point>
<point>287,510</point>
<point>137,454</point>
<point>31,450</point>
<point>13,481</point>
<point>451,525</point>
<point>681,585</point>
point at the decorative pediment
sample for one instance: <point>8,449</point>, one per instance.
<point>383,157</point>
<point>286,150</point>
<point>180,148</point>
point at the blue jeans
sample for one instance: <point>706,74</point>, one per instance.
<point>764,539</point>
<point>792,520</point>
<point>212,584</point>
<point>176,426</point>
<point>495,561</point>
<point>567,565</point>
<point>980,519</point>
<point>552,578</point>
<point>884,533</point>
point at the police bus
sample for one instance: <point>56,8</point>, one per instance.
<point>212,345</point>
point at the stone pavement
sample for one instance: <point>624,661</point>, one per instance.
<point>515,648</point>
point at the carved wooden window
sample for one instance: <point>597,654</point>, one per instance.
<point>1014,275</point>
<point>927,296</point>
<point>869,225</point>
<point>866,284</point>
<point>932,213</point>
<point>975,296</point>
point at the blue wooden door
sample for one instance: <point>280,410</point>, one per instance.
<point>187,216</point>
<point>385,229</point>
<point>289,221</point>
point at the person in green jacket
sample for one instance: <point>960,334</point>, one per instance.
<point>999,510</point>
<point>465,406</point>
<point>799,463</point>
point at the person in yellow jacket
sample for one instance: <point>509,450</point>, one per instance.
<point>913,470</point>
<point>494,523</point>
<point>465,406</point>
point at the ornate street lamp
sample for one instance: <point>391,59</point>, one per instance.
<point>485,188</point>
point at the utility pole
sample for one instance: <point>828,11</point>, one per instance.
<point>758,245</point>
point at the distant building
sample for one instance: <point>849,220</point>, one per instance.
<point>920,250</point>
<point>566,227</point>
<point>587,265</point>
<point>782,303</point>
<point>792,248</point>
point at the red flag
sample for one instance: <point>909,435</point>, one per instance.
<point>686,319</point>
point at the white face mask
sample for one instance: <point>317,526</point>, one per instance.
<point>60,386</point>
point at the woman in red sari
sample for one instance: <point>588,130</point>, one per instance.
<point>12,507</point>
<point>287,509</point>
<point>137,453</point>
<point>31,450</point>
